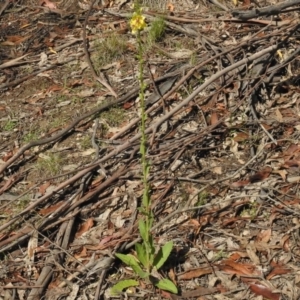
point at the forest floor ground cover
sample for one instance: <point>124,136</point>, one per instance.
<point>223,129</point>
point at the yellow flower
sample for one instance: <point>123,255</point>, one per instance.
<point>137,23</point>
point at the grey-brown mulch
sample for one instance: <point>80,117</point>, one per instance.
<point>223,130</point>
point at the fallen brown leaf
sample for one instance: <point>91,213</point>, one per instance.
<point>261,290</point>
<point>264,235</point>
<point>48,4</point>
<point>43,188</point>
<point>85,227</point>
<point>261,175</point>
<point>279,270</point>
<point>239,184</point>
<point>233,267</point>
<point>48,210</point>
<point>214,118</point>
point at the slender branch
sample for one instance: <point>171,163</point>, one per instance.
<point>265,11</point>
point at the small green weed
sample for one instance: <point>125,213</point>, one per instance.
<point>202,198</point>
<point>108,50</point>
<point>177,45</point>
<point>157,30</point>
<point>201,80</point>
<point>250,211</point>
<point>49,165</point>
<point>220,255</point>
<point>114,116</point>
<point>30,136</point>
<point>193,59</point>
<point>57,122</point>
<point>85,143</point>
<point>22,203</point>
<point>78,100</point>
<point>61,97</point>
<point>28,69</point>
<point>10,125</point>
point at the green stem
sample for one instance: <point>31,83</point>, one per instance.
<point>146,205</point>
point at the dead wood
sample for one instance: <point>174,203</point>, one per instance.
<point>265,11</point>
<point>223,130</point>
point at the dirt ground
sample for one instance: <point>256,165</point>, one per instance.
<point>223,129</point>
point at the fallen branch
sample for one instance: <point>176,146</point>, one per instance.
<point>101,79</point>
<point>67,130</point>
<point>265,11</point>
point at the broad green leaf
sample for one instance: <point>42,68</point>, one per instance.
<point>167,285</point>
<point>142,274</point>
<point>124,284</point>
<point>162,255</point>
<point>143,230</point>
<point>141,254</point>
<point>131,261</point>
<point>128,259</point>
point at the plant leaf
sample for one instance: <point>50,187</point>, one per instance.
<point>128,259</point>
<point>167,285</point>
<point>151,219</point>
<point>151,250</point>
<point>124,284</point>
<point>162,255</point>
<point>141,254</point>
<point>143,230</point>
<point>132,262</point>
